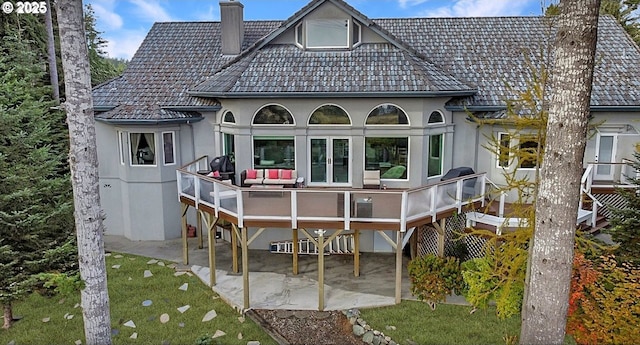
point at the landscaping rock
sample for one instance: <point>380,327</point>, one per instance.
<point>160,263</point>
<point>218,334</point>
<point>147,274</point>
<point>179,273</point>
<point>46,319</point>
<point>78,342</point>
<point>184,287</point>
<point>118,256</point>
<point>253,342</point>
<point>241,319</point>
<point>147,303</point>
<point>134,335</point>
<point>130,323</point>
<point>358,330</point>
<point>181,325</point>
<point>152,261</point>
<point>209,316</point>
<point>115,266</point>
<point>184,308</point>
<point>240,336</point>
<point>368,337</point>
<point>164,318</point>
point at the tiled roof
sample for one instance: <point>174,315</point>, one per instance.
<point>145,112</point>
<point>369,68</point>
<point>495,54</point>
<point>489,55</point>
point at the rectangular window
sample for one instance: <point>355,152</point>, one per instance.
<point>389,155</point>
<point>274,152</point>
<point>503,151</point>
<point>327,33</point>
<point>169,148</point>
<point>528,152</point>
<point>143,148</point>
<point>435,155</point>
<point>122,143</point>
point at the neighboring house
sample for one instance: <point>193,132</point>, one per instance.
<point>331,93</point>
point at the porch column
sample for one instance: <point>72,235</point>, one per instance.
<point>185,243</point>
<point>399,236</point>
<point>295,251</point>
<point>245,268</point>
<point>320,234</point>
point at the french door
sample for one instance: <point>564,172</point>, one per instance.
<point>605,153</point>
<point>329,161</point>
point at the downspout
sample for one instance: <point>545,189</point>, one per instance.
<point>475,156</point>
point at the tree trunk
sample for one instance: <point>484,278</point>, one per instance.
<point>8,316</point>
<point>51,51</point>
<point>83,161</point>
<point>545,306</point>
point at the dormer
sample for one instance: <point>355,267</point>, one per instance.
<point>328,27</point>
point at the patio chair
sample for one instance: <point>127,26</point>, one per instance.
<point>371,179</point>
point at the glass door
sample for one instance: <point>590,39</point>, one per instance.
<point>329,161</point>
<point>606,153</point>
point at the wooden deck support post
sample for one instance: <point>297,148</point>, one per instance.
<point>356,253</point>
<point>320,234</point>
<point>234,247</point>
<point>211,222</point>
<point>185,242</point>
<point>399,237</point>
<point>199,231</point>
<point>440,228</point>
<point>295,251</point>
<point>245,268</point>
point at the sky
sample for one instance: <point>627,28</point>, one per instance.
<point>125,23</point>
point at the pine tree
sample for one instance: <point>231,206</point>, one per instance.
<point>625,221</point>
<point>102,68</point>
<point>36,212</point>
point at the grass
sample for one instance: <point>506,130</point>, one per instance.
<point>127,290</point>
<point>416,322</point>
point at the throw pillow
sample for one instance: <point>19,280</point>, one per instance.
<point>252,174</point>
<point>286,174</point>
<point>216,174</point>
<point>273,174</point>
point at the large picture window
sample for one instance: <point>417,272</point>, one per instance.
<point>389,155</point>
<point>274,152</point>
<point>143,148</point>
<point>434,167</point>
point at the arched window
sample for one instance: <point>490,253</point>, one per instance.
<point>228,117</point>
<point>273,115</point>
<point>387,114</point>
<point>436,117</point>
<point>329,115</point>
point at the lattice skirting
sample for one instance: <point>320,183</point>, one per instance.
<point>465,248</point>
<point>610,200</point>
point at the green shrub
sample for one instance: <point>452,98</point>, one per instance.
<point>434,278</point>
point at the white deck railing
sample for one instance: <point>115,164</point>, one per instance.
<point>328,205</point>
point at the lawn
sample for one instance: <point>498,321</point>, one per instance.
<point>415,322</point>
<point>58,320</point>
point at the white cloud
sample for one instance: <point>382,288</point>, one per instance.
<point>125,44</point>
<point>151,11</point>
<point>107,17</point>
<point>211,14</point>
<point>478,8</point>
<point>409,3</point>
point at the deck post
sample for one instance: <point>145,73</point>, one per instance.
<point>234,248</point>
<point>320,234</point>
<point>211,233</point>
<point>295,251</point>
<point>185,242</point>
<point>245,268</point>
<point>399,235</point>
<point>440,228</point>
<point>356,253</point>
<point>199,230</point>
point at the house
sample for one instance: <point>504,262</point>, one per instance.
<point>331,93</point>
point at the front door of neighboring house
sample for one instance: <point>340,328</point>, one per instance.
<point>605,153</point>
<point>329,161</point>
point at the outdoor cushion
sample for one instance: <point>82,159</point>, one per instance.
<point>252,174</point>
<point>286,174</point>
<point>273,174</point>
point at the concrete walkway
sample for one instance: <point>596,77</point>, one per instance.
<point>271,282</point>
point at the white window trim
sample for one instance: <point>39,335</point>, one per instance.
<point>264,137</point>
<point>436,123</point>
<point>408,124</point>
<point>498,165</point>
<point>442,142</point>
<point>173,147</point>
<point>298,39</point>
<point>121,136</point>
<point>253,124</point>
<point>332,125</point>
<point>348,35</point>
<point>364,154</point>
<point>355,44</point>
<point>155,143</point>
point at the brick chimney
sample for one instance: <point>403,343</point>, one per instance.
<point>232,20</point>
